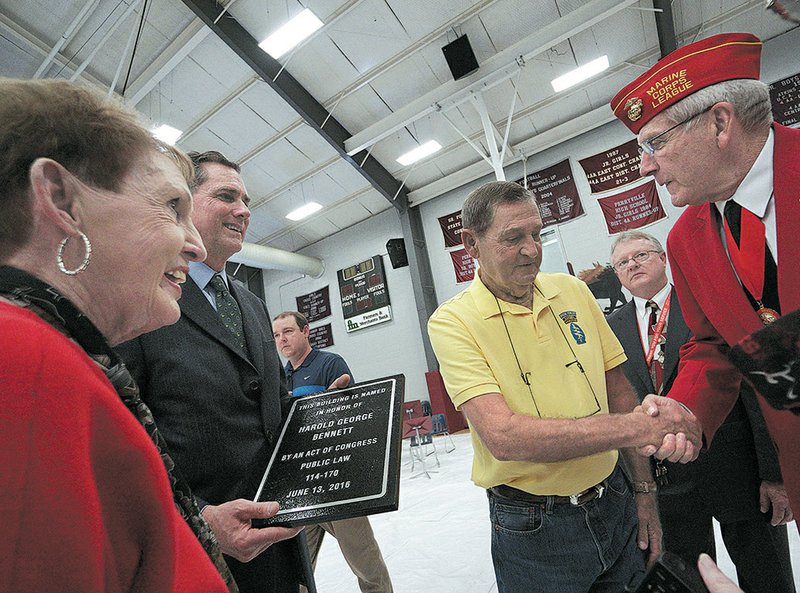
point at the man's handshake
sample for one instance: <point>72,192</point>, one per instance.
<point>676,433</point>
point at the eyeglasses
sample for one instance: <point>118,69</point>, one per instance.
<point>651,145</point>
<point>639,258</point>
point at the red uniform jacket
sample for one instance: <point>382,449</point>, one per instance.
<point>719,314</point>
<point>85,503</point>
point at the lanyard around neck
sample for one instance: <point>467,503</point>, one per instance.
<point>658,330</point>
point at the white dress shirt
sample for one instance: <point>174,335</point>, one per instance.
<point>202,275</point>
<point>756,193</point>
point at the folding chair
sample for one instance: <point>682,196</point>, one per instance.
<point>418,433</point>
<point>439,426</point>
<point>426,408</point>
<point>412,409</point>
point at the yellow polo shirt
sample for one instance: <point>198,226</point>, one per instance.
<point>476,357</point>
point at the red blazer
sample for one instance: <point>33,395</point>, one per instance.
<point>718,313</point>
<point>85,503</point>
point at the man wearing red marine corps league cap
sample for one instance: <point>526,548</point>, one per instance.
<point>705,131</point>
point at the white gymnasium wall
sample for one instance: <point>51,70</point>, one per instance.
<point>395,347</point>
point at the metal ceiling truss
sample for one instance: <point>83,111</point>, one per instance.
<point>39,47</point>
<point>665,26</point>
<point>108,34</point>
<point>167,60</point>
<point>563,132</point>
<point>291,91</point>
<point>217,108</point>
<point>331,103</point>
<point>318,168</point>
<point>327,23</point>
<point>293,228</point>
<point>379,69</point>
<point>493,71</point>
<point>82,16</point>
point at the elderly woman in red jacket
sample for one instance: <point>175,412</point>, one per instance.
<point>95,237</point>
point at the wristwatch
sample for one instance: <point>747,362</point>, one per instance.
<point>645,487</point>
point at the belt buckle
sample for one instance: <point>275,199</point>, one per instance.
<point>574,499</point>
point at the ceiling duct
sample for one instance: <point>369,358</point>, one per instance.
<point>261,256</point>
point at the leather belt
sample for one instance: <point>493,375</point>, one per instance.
<point>577,500</point>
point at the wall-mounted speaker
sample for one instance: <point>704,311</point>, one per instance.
<point>397,253</point>
<point>460,57</point>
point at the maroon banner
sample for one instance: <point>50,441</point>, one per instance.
<point>556,193</point>
<point>315,305</point>
<point>785,98</point>
<point>612,168</point>
<point>632,209</point>
<point>451,229</point>
<point>321,337</point>
<point>463,265</point>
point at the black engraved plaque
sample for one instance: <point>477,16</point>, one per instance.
<point>338,455</point>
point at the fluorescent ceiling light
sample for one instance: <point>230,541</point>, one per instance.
<point>580,74</point>
<point>303,211</point>
<point>290,34</point>
<point>167,134</point>
<point>420,152</point>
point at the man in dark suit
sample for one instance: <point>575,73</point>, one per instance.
<point>215,385</point>
<point>738,479</point>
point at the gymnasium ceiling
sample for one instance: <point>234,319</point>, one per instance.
<point>371,84</point>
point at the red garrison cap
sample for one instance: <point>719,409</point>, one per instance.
<point>686,70</point>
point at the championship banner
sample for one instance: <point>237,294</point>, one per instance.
<point>612,168</point>
<point>785,98</point>
<point>556,193</point>
<point>632,209</point>
<point>321,337</point>
<point>451,229</point>
<point>315,305</point>
<point>463,265</point>
<point>365,298</point>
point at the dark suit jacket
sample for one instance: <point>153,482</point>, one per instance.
<point>219,409</point>
<point>719,313</point>
<point>729,474</point>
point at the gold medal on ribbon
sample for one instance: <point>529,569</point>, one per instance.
<point>767,315</point>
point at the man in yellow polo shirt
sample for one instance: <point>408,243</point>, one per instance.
<point>533,365</point>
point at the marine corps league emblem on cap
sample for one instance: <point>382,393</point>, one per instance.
<point>727,56</point>
<point>634,108</point>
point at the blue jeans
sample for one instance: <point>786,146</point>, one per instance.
<point>560,548</point>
